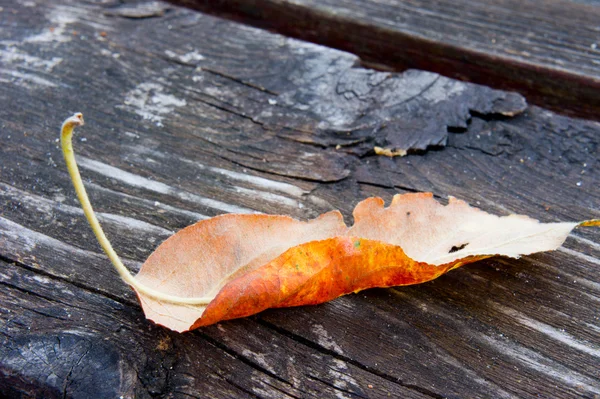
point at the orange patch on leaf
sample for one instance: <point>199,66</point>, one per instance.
<point>318,272</point>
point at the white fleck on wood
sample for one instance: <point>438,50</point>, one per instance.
<point>325,339</point>
<point>551,332</point>
<point>256,181</point>
<point>45,205</point>
<point>579,255</point>
<point>158,187</point>
<point>150,101</point>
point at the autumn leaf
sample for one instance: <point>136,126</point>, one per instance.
<point>250,263</point>
<point>234,266</point>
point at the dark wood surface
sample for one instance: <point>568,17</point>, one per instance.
<point>189,116</point>
<point>547,50</point>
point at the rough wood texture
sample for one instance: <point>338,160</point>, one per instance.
<point>547,50</point>
<point>189,116</point>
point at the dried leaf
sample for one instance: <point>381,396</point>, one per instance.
<point>255,262</point>
<point>236,265</point>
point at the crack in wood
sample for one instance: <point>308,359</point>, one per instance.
<point>241,357</point>
<point>240,81</point>
<point>337,388</point>
<point>64,280</point>
<point>300,339</point>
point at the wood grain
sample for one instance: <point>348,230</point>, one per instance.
<point>548,51</point>
<point>189,116</point>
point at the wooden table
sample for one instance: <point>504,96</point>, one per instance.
<point>190,116</point>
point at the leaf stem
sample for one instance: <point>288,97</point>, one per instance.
<point>66,135</point>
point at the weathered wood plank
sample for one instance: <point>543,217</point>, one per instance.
<point>61,340</point>
<point>549,51</point>
<point>182,126</point>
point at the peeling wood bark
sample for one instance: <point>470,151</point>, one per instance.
<point>181,126</point>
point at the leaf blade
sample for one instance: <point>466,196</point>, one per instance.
<point>250,263</point>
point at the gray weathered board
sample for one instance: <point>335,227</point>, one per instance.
<point>189,116</point>
<point>549,50</point>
